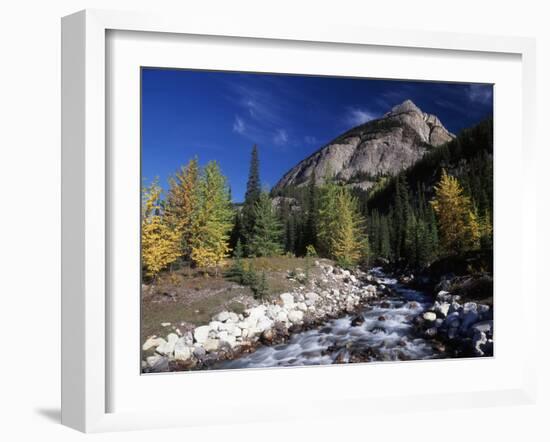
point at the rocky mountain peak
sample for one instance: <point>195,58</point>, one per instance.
<point>381,147</point>
<point>406,106</point>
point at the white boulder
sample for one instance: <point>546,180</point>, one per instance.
<point>211,344</point>
<point>296,316</point>
<point>287,299</point>
<point>167,348</point>
<point>429,316</point>
<point>201,334</point>
<point>442,308</point>
<point>153,342</point>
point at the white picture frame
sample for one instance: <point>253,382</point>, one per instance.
<point>86,315</point>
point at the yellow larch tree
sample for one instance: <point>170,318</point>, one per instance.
<point>457,222</point>
<point>214,219</point>
<point>182,204</point>
<point>341,227</point>
<point>160,244</point>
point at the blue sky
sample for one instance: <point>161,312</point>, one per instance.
<point>220,115</point>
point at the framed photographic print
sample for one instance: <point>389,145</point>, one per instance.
<point>253,213</point>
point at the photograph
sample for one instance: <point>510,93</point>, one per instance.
<point>295,220</point>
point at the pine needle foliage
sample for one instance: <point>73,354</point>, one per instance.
<point>266,236</point>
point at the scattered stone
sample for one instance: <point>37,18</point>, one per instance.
<point>431,332</point>
<point>211,344</point>
<point>201,334</point>
<point>442,309</point>
<point>157,363</point>
<point>153,342</point>
<point>182,351</point>
<point>167,348</point>
<point>413,305</point>
<point>429,316</point>
<point>295,316</point>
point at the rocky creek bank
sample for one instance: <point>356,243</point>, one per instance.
<point>337,292</point>
<point>464,328</point>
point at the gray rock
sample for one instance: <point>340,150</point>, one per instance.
<point>452,332</point>
<point>455,307</point>
<point>469,318</point>
<point>312,298</point>
<point>443,296</point>
<point>157,363</point>
<point>182,351</point>
<point>431,332</point>
<point>199,352</point>
<point>452,320</point>
<point>483,326</point>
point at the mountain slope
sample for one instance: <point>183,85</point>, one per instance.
<point>380,147</point>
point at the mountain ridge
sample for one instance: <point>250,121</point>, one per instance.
<point>383,146</point>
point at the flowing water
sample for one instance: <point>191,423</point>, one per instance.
<point>386,334</point>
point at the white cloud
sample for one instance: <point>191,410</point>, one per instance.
<point>309,139</point>
<point>480,93</point>
<point>280,137</point>
<point>356,116</point>
<point>238,125</point>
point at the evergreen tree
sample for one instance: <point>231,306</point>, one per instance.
<point>310,234</point>
<point>266,233</point>
<point>384,244</point>
<point>236,235</point>
<point>401,213</point>
<point>252,195</point>
<point>458,224</point>
<point>160,244</point>
<point>250,277</point>
<point>236,271</point>
<point>261,288</point>
<point>214,218</point>
<point>182,205</point>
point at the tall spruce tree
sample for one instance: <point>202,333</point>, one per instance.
<point>252,195</point>
<point>267,231</point>
<point>310,233</point>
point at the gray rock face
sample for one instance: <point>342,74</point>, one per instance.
<point>379,147</point>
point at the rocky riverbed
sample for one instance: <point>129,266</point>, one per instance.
<point>466,328</point>
<point>340,317</point>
